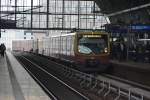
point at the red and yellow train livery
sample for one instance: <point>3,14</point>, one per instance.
<point>88,51</point>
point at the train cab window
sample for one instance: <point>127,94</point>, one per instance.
<point>97,44</point>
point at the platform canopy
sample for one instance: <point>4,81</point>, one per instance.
<point>127,11</point>
<point>112,6</point>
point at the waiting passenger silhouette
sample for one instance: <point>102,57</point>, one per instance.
<point>2,49</point>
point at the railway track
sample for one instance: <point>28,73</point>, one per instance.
<point>56,88</point>
<point>95,88</point>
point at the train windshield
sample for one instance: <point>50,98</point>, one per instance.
<point>93,44</point>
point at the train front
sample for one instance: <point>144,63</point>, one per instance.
<point>92,51</point>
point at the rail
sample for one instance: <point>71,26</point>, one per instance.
<point>103,86</point>
<point>32,67</point>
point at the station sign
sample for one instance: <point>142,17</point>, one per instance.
<point>127,28</point>
<point>140,27</point>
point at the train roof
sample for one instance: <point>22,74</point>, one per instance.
<point>73,33</point>
<point>22,39</point>
<point>94,32</point>
<point>66,34</point>
<point>88,32</point>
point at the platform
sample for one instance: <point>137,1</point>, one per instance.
<point>6,92</point>
<point>133,71</point>
<point>16,83</point>
<point>131,64</point>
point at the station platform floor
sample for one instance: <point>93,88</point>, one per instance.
<point>135,65</point>
<point>16,83</point>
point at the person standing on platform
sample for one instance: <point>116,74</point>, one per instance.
<point>148,49</point>
<point>139,52</point>
<point>118,51</point>
<point>3,48</point>
<point>121,51</point>
<point>124,51</point>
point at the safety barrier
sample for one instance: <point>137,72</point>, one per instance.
<point>101,86</point>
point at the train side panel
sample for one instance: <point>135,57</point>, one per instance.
<point>67,48</point>
<point>22,45</point>
<point>40,47</point>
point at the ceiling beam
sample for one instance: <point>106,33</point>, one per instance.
<point>128,10</point>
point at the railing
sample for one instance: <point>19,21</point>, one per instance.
<point>101,86</point>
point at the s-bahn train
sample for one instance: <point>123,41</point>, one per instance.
<point>87,51</point>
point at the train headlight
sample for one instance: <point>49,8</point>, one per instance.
<point>105,50</point>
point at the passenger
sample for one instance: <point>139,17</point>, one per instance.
<point>3,48</point>
<point>114,51</point>
<point>134,57</point>
<point>118,51</point>
<point>136,52</point>
<point>148,49</point>
<point>31,50</point>
<point>43,52</point>
<point>140,53</point>
<point>121,51</point>
<point>124,51</point>
<point>144,53</point>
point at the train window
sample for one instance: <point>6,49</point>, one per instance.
<point>93,44</point>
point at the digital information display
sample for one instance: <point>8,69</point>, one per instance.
<point>140,27</point>
<point>92,36</point>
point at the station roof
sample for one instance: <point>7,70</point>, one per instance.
<point>112,6</point>
<point>126,11</point>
